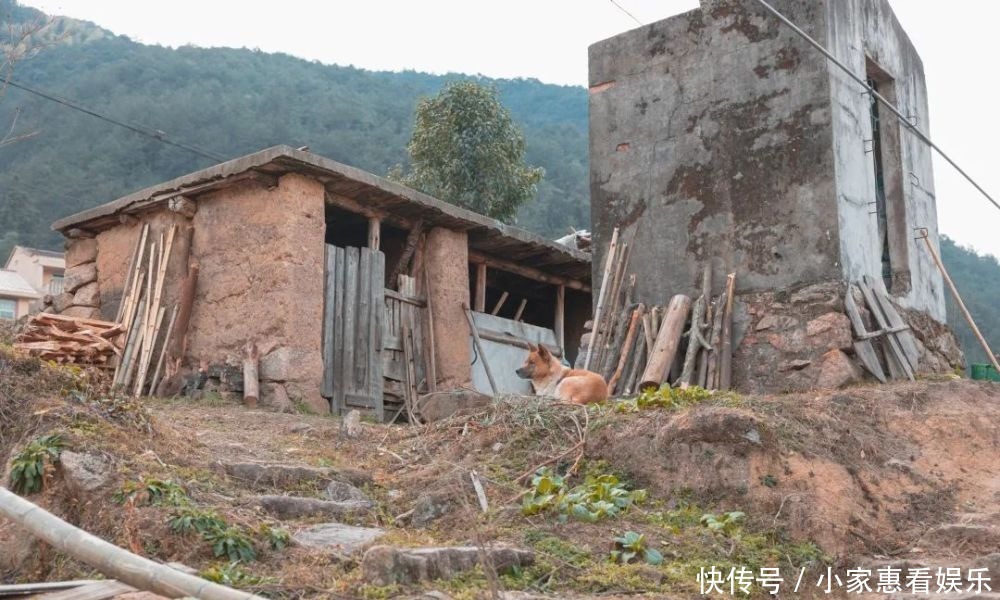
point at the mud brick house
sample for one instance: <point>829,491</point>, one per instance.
<point>333,272</point>
<point>719,135</point>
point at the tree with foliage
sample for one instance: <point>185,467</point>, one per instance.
<point>467,150</point>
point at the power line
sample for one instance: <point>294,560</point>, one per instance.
<point>150,133</point>
<point>902,118</point>
<point>622,8</point>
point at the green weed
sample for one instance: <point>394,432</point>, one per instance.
<point>149,490</point>
<point>632,546</point>
<point>27,472</point>
<point>599,496</point>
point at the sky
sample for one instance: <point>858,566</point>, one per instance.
<point>548,40</point>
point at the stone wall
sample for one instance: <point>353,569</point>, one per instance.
<point>81,293</point>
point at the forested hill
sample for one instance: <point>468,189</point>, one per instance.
<point>233,102</point>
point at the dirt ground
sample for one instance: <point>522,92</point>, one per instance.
<point>823,479</point>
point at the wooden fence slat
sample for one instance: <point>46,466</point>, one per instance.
<point>338,329</point>
<point>376,287</point>
<point>347,346</point>
<point>329,308</point>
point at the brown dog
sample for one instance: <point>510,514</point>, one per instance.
<point>550,378</point>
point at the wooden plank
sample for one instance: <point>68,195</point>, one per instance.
<point>560,318</point>
<point>895,352</point>
<point>347,346</point>
<point>22,589</point>
<point>897,326</point>
<point>377,287</point>
<point>414,300</point>
<point>100,590</point>
<point>411,397</point>
<point>362,339</point>
<point>480,298</point>
<point>863,346</point>
<point>338,400</point>
<point>374,233</point>
<point>328,310</point>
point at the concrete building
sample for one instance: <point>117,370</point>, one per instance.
<point>41,269</point>
<point>332,272</point>
<point>719,135</point>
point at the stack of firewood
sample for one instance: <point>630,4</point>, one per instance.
<point>70,340</point>
<point>635,346</point>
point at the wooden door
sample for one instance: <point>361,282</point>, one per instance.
<point>352,329</point>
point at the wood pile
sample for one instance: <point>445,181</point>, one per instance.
<point>71,340</point>
<point>892,340</point>
<point>635,346</point>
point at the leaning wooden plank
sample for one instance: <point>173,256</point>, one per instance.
<point>351,260</point>
<point>613,349</point>
<point>609,262</point>
<point>410,397</point>
<point>364,319</point>
<point>109,559</point>
<point>328,308</point>
<point>23,589</point>
<point>479,348</point>
<point>863,346</point>
<point>895,352</point>
<point>667,341</point>
<point>131,275</point>
<point>897,326</point>
<point>339,402</point>
<point>726,352</point>
<point>375,332</point>
<point>101,590</point>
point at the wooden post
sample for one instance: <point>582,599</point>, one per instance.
<point>374,233</point>
<point>251,380</point>
<point>665,348</point>
<point>431,349</point>
<point>560,320</point>
<point>479,348</point>
<point>480,287</point>
<point>609,262</point>
<point>958,299</point>
<point>520,309</point>
<point>726,352</point>
<point>627,346</point>
<point>109,559</point>
<point>712,378</point>
<point>499,304</point>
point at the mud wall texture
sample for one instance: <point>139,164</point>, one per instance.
<point>448,291</point>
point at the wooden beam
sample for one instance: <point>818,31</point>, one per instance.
<point>480,299</point>
<point>527,272</point>
<point>183,206</point>
<point>375,233</point>
<point>520,309</point>
<point>560,319</point>
<point>499,304</point>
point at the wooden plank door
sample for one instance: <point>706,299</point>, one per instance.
<point>352,329</point>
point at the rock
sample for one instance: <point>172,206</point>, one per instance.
<point>794,365</point>
<point>274,396</point>
<point>772,321</point>
<point>441,405</point>
<point>828,294</point>
<point>837,370</point>
<point>88,295</point>
<point>833,330</point>
<point>430,507</point>
<point>351,425</point>
<point>82,312</point>
<point>281,364</point>
<point>84,472</point>
<point>276,475</point>
<point>340,491</point>
<point>81,251</point>
<point>61,302</point>
<point>337,536</point>
<point>294,507</point>
<point>385,565</point>
<point>79,276</point>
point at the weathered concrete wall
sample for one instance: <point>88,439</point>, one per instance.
<point>448,251</point>
<point>710,137</point>
<point>867,29</point>
<point>261,258</point>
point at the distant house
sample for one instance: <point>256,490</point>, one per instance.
<point>41,269</point>
<point>16,295</point>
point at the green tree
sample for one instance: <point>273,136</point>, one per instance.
<point>467,150</point>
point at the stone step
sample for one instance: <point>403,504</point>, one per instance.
<point>387,565</point>
<point>278,475</point>
<point>296,507</point>
<point>345,539</point>
<point>963,537</point>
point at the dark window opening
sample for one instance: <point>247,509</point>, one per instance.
<point>880,202</point>
<point>346,229</point>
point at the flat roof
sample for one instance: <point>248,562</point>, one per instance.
<point>486,235</point>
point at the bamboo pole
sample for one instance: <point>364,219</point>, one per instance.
<point>109,559</point>
<point>627,348</point>
<point>163,352</point>
<point>520,309</point>
<point>726,352</point>
<point>958,298</point>
<point>602,295</point>
<point>127,289</point>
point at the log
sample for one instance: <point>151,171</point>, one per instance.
<point>375,234</point>
<point>697,341</point>
<point>251,379</point>
<point>520,309</point>
<point>703,357</point>
<point>712,375</point>
<point>403,263</point>
<point>602,295</point>
<point>726,352</point>
<point>667,341</point>
<point>178,346</point>
<point>431,358</point>
<point>627,347</point>
<point>109,559</point>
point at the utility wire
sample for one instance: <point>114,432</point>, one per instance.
<point>150,133</point>
<point>622,8</point>
<point>902,118</point>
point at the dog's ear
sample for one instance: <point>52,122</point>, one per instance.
<point>532,347</point>
<point>543,352</point>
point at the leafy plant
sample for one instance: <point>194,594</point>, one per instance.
<point>632,546</point>
<point>729,524</point>
<point>277,538</point>
<point>27,472</point>
<point>769,480</point>
<point>599,496</point>
<point>192,520</point>
<point>232,575</point>
<point>158,492</point>
<point>664,397</point>
<point>231,542</point>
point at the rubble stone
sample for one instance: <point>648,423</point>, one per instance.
<point>273,396</point>
<point>351,425</point>
<point>347,539</point>
<point>837,370</point>
<point>62,302</point>
<point>87,295</point>
<point>80,251</point>
<point>341,491</point>
<point>79,276</point>
<point>386,565</point>
<point>830,330</point>
<point>294,507</point>
<point>84,472</point>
